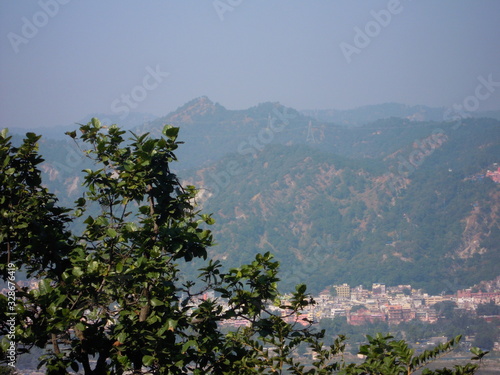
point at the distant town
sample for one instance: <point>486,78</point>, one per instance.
<point>393,305</point>
<point>359,305</point>
<point>493,175</point>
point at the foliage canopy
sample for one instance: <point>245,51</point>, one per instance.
<point>113,300</point>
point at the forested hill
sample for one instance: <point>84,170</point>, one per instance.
<point>393,201</point>
<point>331,219</point>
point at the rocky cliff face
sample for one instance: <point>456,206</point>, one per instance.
<point>480,225</point>
<point>62,186</point>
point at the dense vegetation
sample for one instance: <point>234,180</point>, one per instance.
<point>346,216</point>
<point>393,201</point>
<point>113,300</point>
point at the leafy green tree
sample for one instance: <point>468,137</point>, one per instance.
<point>445,309</point>
<point>356,308</point>
<point>391,357</point>
<point>486,334</point>
<point>30,222</point>
<point>488,309</point>
<point>113,299</point>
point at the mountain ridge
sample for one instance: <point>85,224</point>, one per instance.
<point>391,201</point>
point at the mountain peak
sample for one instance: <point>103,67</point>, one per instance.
<point>194,109</point>
<point>202,101</point>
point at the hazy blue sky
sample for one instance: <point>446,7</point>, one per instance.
<point>63,59</point>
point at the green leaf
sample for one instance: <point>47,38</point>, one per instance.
<point>4,342</point>
<point>131,227</point>
<point>71,134</point>
<point>32,137</point>
<point>119,267</point>
<point>89,220</point>
<point>96,122</point>
<point>111,233</point>
<point>187,345</point>
<point>148,360</point>
<point>301,288</point>
<point>171,132</point>
<point>101,220</point>
<point>156,302</point>
<point>122,337</point>
<point>44,286</point>
<point>77,271</point>
<point>80,202</point>
<point>171,324</point>
<point>93,266</point>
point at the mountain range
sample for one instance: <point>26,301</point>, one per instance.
<point>391,194</point>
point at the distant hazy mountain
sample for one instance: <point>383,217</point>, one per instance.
<point>396,200</point>
<point>132,120</point>
<point>211,131</point>
<point>367,114</point>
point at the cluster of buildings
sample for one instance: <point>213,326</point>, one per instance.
<point>360,306</point>
<point>491,174</point>
<point>393,305</point>
<point>494,175</point>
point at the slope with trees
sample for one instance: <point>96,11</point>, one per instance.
<point>112,300</point>
<point>334,219</point>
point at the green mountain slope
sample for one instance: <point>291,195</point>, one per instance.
<point>394,201</point>
<point>410,215</point>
